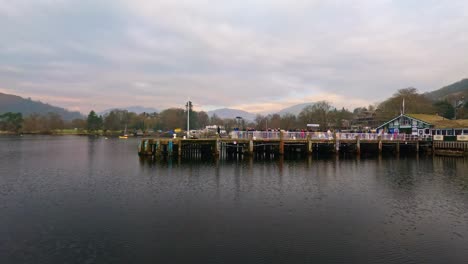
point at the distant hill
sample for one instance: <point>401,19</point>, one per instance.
<point>450,92</point>
<point>17,104</point>
<point>134,109</point>
<point>295,109</point>
<point>232,113</point>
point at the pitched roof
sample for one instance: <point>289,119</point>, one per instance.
<point>427,118</point>
<point>460,123</point>
<point>391,120</point>
<point>435,120</point>
<point>440,121</point>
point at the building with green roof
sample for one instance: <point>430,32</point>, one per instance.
<point>425,125</point>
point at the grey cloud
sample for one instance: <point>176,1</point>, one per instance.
<point>154,53</point>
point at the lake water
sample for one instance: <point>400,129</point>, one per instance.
<point>91,200</point>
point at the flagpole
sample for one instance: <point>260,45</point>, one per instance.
<point>403,108</point>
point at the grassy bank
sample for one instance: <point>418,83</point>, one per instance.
<point>63,132</point>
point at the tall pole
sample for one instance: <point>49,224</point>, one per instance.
<point>188,119</point>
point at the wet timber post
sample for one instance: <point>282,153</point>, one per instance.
<point>217,148</point>
<point>358,145</point>
<point>281,144</point>
<point>398,147</point>
<point>158,148</point>
<point>179,148</point>
<point>380,144</point>
<point>310,148</point>
<point>170,146</point>
<point>251,147</point>
<point>337,143</point>
<point>417,146</point>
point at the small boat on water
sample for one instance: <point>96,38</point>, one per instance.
<point>125,135</point>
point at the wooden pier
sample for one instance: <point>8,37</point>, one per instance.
<point>273,144</point>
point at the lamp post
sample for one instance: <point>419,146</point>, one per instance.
<point>188,107</point>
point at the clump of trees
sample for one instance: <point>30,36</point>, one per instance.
<point>11,122</point>
<point>322,113</point>
<point>414,103</point>
<point>417,103</point>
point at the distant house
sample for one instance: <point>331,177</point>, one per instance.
<point>423,124</point>
<point>365,120</point>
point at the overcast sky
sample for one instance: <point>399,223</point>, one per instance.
<point>256,55</point>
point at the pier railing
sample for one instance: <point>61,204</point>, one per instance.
<point>324,136</point>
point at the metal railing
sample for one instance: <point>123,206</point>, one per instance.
<point>302,135</point>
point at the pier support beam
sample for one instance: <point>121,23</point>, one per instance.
<point>337,143</point>
<point>158,148</point>
<point>358,145</point>
<point>251,147</point>
<point>309,147</point>
<point>179,146</point>
<point>170,146</point>
<point>417,146</point>
<point>217,148</point>
<point>398,147</point>
<point>380,144</point>
<point>281,144</point>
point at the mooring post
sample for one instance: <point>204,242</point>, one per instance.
<point>179,146</point>
<point>216,148</point>
<point>358,145</point>
<point>281,145</point>
<point>417,146</point>
<point>170,146</point>
<point>398,147</point>
<point>337,142</point>
<point>380,144</point>
<point>251,147</point>
<point>310,148</point>
<point>158,148</point>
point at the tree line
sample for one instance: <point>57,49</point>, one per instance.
<point>321,113</point>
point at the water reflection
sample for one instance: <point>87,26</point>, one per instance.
<point>92,200</point>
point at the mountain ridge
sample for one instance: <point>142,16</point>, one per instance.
<point>451,91</point>
<point>18,104</point>
<point>232,113</point>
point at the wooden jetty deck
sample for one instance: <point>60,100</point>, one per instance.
<point>271,144</point>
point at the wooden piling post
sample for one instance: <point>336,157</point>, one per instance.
<point>309,147</point>
<point>217,147</point>
<point>281,145</point>
<point>358,145</point>
<point>170,147</point>
<point>179,146</point>
<point>158,148</point>
<point>398,147</point>
<point>251,147</point>
<point>380,144</point>
<point>417,146</point>
<point>337,143</point>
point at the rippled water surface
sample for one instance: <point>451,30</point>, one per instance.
<point>92,200</point>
